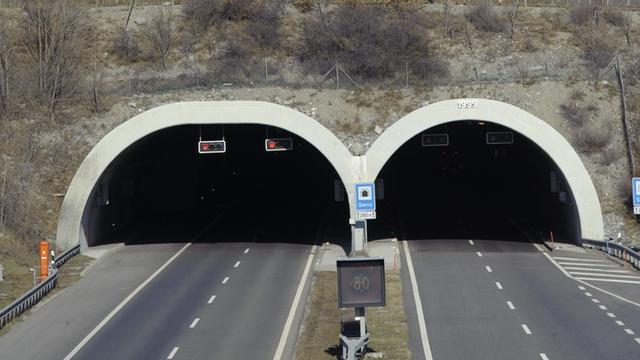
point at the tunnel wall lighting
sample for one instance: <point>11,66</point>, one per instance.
<point>500,138</point>
<point>281,144</point>
<point>212,147</point>
<point>435,140</point>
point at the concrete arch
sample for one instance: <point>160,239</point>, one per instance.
<point>70,227</point>
<point>523,122</point>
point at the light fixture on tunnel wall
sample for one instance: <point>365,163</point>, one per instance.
<point>429,140</point>
<point>499,137</point>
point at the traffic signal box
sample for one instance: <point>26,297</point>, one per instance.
<point>212,147</point>
<point>281,144</point>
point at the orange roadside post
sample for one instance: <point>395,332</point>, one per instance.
<point>44,260</point>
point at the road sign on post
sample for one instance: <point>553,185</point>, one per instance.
<point>635,186</point>
<point>365,201</point>
<point>361,282</point>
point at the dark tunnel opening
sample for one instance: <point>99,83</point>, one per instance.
<point>161,189</point>
<point>474,187</point>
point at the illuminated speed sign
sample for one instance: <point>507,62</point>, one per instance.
<point>361,282</point>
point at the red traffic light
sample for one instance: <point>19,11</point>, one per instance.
<point>282,144</point>
<point>212,147</point>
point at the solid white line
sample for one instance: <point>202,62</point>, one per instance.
<point>173,353</point>
<point>424,336</point>
<point>576,259</point>
<point>194,323</point>
<point>555,263</point>
<point>629,331</point>
<point>213,297</point>
<point>499,285</point>
<point>526,329</point>
<point>479,253</point>
<point>246,250</point>
<point>488,268</point>
<point>587,293</point>
<point>543,356</point>
<point>123,303</point>
<point>620,323</point>
<point>510,304</point>
<point>237,264</point>
<point>586,264</point>
<point>294,306</point>
<point>598,270</point>
<point>610,280</point>
<point>595,301</point>
<point>604,275</point>
<point>602,307</point>
<point>225,280</point>
<point>611,315</point>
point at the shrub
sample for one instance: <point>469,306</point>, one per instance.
<point>614,17</point>
<point>609,155</point>
<point>160,34</point>
<point>598,53</point>
<point>573,113</point>
<point>591,139</point>
<point>126,47</point>
<point>485,18</point>
<point>582,14</point>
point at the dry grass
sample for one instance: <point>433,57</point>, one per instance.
<point>387,325</point>
<point>17,259</point>
<point>591,139</point>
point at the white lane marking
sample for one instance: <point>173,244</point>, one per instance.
<point>194,323</point>
<point>595,301</point>
<point>498,285</point>
<point>610,280</point>
<point>604,275</point>
<point>598,270</point>
<point>576,259</point>
<point>510,304</point>
<point>587,293</point>
<point>555,263</point>
<point>470,242</point>
<point>586,264</point>
<point>123,303</point>
<point>526,329</point>
<point>629,331</point>
<point>294,306</point>
<point>637,340</point>
<point>611,315</point>
<point>225,280</point>
<point>246,250</point>
<point>424,336</point>
<point>543,356</point>
<point>620,323</point>
<point>581,288</point>
<point>173,353</point>
<point>213,297</point>
<point>479,254</point>
<point>488,268</point>
<point>602,307</point>
<point>237,264</point>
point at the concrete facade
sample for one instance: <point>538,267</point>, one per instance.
<point>351,169</point>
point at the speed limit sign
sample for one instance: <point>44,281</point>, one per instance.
<point>361,282</point>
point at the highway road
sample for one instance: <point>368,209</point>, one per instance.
<point>216,297</point>
<point>504,299</point>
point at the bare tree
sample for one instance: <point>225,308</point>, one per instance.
<point>5,66</point>
<point>53,33</point>
<point>160,34</point>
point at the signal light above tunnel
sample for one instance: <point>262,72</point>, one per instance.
<point>499,138</point>
<point>282,144</point>
<point>212,147</point>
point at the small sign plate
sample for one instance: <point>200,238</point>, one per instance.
<point>635,186</point>
<point>365,197</point>
<point>636,210</point>
<point>365,215</point>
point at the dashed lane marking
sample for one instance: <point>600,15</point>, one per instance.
<point>526,329</point>
<point>611,315</point>
<point>588,293</point>
<point>581,288</point>
<point>194,323</point>
<point>602,307</point>
<point>620,323</point>
<point>225,280</point>
<point>246,250</point>
<point>629,331</point>
<point>488,268</point>
<point>470,242</point>
<point>543,356</point>
<point>236,264</point>
<point>498,285</point>
<point>637,340</point>
<point>213,297</point>
<point>595,301</point>
<point>173,353</point>
<point>479,254</point>
<point>510,304</point>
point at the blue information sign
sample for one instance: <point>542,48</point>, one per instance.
<point>365,197</point>
<point>635,185</point>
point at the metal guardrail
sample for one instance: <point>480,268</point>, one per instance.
<point>33,296</point>
<point>614,249</point>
